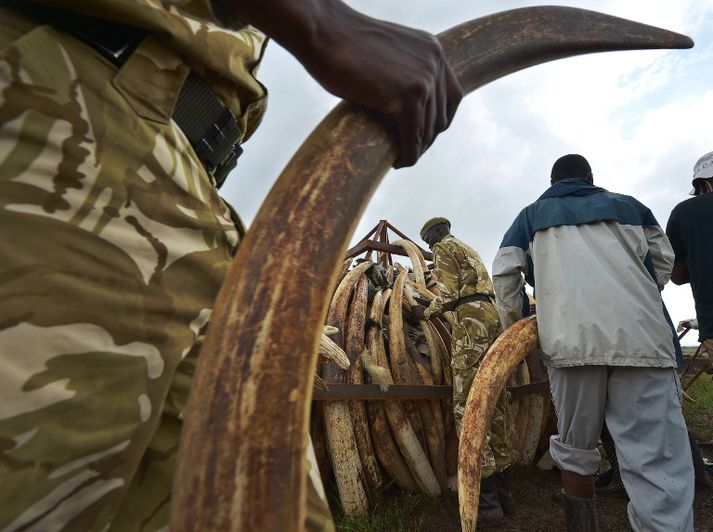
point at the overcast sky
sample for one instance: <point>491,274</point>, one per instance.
<point>641,118</point>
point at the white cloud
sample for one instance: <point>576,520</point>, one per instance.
<point>642,119</point>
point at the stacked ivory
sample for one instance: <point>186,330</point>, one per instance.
<point>367,444</point>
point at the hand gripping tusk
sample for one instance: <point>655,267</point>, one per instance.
<point>241,462</point>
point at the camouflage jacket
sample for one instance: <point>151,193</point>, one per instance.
<point>182,34</point>
<point>461,273</point>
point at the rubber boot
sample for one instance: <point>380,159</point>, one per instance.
<point>610,481</point>
<point>507,502</point>
<point>699,466</point>
<point>580,513</point>
<point>489,509</point>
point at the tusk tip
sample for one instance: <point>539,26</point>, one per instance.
<point>684,41</point>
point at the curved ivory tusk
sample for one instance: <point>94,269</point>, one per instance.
<point>241,463</point>
<point>511,348</point>
<point>491,47</point>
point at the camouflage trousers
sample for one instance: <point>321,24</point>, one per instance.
<point>477,325</point>
<point>114,243</point>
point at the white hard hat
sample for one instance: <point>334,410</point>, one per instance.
<point>703,169</point>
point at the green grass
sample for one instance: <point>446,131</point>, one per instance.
<point>688,350</point>
<point>393,510</point>
<point>699,417</point>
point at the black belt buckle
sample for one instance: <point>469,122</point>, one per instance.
<point>220,174</point>
<point>219,148</point>
<point>211,128</point>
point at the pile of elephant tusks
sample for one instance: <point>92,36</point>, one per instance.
<point>363,445</point>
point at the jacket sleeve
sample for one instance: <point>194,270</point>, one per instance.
<point>661,253</point>
<point>448,282</point>
<point>509,269</point>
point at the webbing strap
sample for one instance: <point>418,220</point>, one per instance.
<point>211,128</point>
<point>114,41</point>
<point>475,297</point>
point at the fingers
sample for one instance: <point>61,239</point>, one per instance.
<point>410,125</point>
<point>422,121</point>
<point>454,93</point>
<point>429,132</point>
<point>707,346</point>
<point>436,110</point>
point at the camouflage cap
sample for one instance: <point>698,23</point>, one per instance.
<point>433,222</point>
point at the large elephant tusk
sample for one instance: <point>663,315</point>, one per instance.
<point>511,348</point>
<point>241,462</point>
<point>491,47</point>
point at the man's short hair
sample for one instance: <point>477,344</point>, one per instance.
<point>571,166</point>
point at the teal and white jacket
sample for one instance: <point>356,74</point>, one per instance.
<point>597,261</point>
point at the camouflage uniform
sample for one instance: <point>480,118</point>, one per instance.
<point>461,273</point>
<point>114,242</point>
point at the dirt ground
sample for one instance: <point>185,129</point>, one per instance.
<point>396,511</point>
<point>537,511</point>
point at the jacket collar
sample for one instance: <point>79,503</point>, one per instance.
<point>571,187</point>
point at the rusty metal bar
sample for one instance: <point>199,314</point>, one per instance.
<point>375,234</point>
<point>689,363</point>
<point>687,385</point>
<point>423,251</point>
<point>542,388</point>
<point>385,258</point>
<point>699,363</point>
<point>366,245</point>
<point>374,231</point>
<point>372,392</point>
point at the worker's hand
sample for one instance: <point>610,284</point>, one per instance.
<point>707,347</point>
<point>398,71</point>
<point>416,314</point>
<point>687,324</point>
<point>422,301</point>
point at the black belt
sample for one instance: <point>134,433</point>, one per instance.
<point>211,128</point>
<point>473,298</point>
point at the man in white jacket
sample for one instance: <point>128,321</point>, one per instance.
<point>598,262</point>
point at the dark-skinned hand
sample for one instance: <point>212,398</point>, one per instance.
<point>394,70</point>
<point>422,301</point>
<point>417,313</point>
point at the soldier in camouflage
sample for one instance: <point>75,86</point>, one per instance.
<point>114,239</point>
<point>466,290</point>
<point>114,243</point>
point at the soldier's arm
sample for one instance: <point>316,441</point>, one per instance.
<point>398,71</point>
<point>448,282</point>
